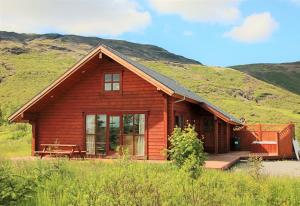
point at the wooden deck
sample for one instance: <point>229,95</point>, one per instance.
<point>226,160</point>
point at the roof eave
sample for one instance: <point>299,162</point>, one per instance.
<point>209,108</point>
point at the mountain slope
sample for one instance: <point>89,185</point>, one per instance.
<point>70,43</point>
<point>284,75</point>
<point>24,74</point>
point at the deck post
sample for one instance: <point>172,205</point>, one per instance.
<point>278,142</point>
<point>227,137</point>
<point>260,132</point>
<point>216,134</point>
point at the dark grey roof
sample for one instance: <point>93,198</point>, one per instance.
<point>171,84</point>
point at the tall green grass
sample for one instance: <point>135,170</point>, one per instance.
<point>62,183</point>
<point>15,141</point>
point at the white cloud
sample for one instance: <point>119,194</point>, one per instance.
<point>219,11</point>
<point>255,28</point>
<point>188,33</point>
<point>91,17</point>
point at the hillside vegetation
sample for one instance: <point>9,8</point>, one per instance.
<point>73,43</point>
<point>28,66</point>
<point>285,75</point>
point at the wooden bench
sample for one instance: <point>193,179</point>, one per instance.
<point>69,150</point>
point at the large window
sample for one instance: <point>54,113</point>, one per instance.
<point>112,82</point>
<point>106,132</point>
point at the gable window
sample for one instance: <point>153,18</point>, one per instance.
<point>112,82</point>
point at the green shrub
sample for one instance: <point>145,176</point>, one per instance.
<point>187,150</point>
<point>14,188</point>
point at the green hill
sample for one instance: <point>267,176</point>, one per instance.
<point>28,66</point>
<point>25,43</point>
<point>284,75</point>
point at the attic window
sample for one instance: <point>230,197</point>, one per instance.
<point>112,82</point>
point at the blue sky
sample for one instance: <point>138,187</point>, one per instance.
<point>214,32</point>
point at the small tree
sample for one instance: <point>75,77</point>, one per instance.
<point>187,150</point>
<point>256,166</point>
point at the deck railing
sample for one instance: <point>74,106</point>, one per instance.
<point>269,139</point>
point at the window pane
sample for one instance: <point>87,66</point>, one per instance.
<point>116,77</point>
<point>128,144</point>
<point>107,86</point>
<point>139,123</point>
<point>101,122</point>
<point>101,134</point>
<point>90,144</point>
<point>116,86</point>
<point>139,145</point>
<point>90,124</point>
<point>114,132</point>
<point>108,77</point>
<point>128,123</point>
<point>179,121</point>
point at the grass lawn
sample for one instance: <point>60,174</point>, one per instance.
<point>61,182</point>
<point>15,141</point>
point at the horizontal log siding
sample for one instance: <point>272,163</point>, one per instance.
<point>63,119</point>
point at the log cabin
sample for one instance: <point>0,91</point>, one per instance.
<point>107,100</point>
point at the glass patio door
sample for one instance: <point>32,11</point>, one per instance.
<point>134,134</point>
<point>114,135</point>
<point>128,133</point>
<point>95,128</point>
<point>105,133</point>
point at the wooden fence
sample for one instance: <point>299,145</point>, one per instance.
<point>268,139</point>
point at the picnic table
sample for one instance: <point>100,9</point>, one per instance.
<point>69,150</point>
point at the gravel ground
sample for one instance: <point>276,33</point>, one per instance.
<point>274,168</point>
<point>289,168</point>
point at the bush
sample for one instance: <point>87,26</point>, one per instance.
<point>187,150</point>
<point>14,188</point>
